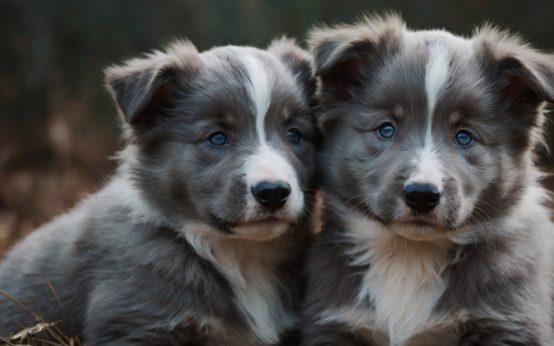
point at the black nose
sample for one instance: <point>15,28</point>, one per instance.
<point>272,195</point>
<point>422,198</point>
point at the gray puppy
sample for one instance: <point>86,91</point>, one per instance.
<point>436,231</point>
<point>198,238</point>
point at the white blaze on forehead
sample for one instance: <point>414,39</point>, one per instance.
<point>267,164</point>
<point>437,75</point>
<point>259,88</point>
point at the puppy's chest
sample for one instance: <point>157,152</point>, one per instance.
<point>258,315</point>
<point>257,298</point>
<point>403,284</point>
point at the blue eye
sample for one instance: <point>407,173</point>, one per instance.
<point>217,138</point>
<point>294,136</point>
<point>387,130</point>
<point>463,137</point>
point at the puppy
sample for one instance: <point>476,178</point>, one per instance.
<point>198,238</point>
<point>436,231</point>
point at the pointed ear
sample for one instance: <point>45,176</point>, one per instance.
<point>343,54</point>
<point>524,74</point>
<point>297,60</point>
<point>144,88</point>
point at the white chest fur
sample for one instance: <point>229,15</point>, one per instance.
<point>403,280</point>
<point>249,267</point>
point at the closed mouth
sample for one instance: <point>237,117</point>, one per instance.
<point>420,222</point>
<point>262,221</point>
<point>227,226</point>
<point>420,229</point>
<point>222,225</point>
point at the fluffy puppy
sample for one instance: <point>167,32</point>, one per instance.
<point>436,231</point>
<point>198,238</point>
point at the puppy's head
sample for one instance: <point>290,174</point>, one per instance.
<point>425,130</point>
<point>223,138</point>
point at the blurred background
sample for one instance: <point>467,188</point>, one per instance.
<point>58,126</point>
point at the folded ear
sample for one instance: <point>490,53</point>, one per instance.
<point>524,74</point>
<point>343,54</point>
<point>297,60</point>
<point>144,87</point>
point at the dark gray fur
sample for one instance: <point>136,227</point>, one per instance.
<point>121,262</point>
<point>495,262</point>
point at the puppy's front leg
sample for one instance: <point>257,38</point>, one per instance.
<point>117,332</point>
<point>120,314</point>
<point>490,332</point>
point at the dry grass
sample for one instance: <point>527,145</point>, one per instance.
<point>42,332</point>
